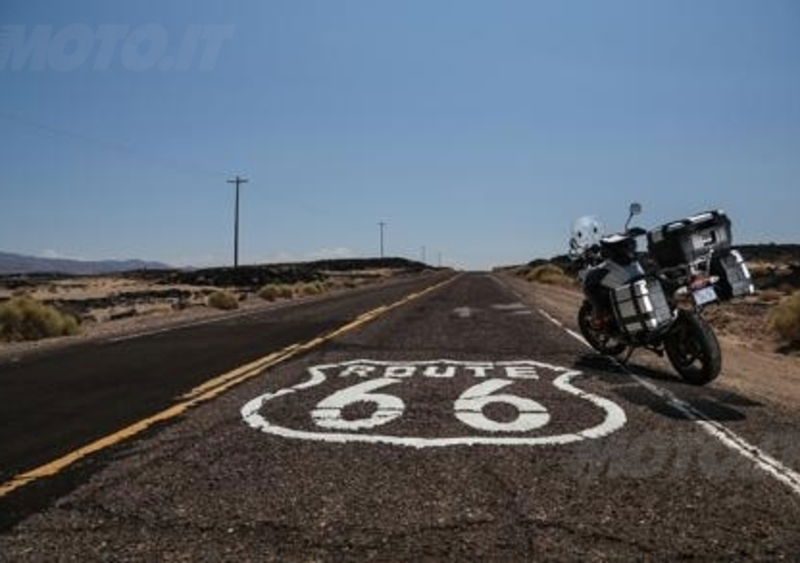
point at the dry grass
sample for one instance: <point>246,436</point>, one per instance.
<point>223,300</point>
<point>24,318</point>
<point>785,319</point>
<point>548,274</point>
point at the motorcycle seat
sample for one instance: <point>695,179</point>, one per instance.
<point>620,248</point>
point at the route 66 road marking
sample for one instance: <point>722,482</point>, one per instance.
<point>374,382</point>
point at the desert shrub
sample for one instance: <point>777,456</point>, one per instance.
<point>307,289</point>
<point>273,291</point>
<point>761,270</point>
<point>224,300</point>
<point>549,274</point>
<point>269,292</point>
<point>785,318</point>
<point>24,318</point>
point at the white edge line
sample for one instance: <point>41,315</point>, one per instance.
<point>728,437</point>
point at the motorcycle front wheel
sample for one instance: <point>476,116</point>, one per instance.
<point>600,341</point>
<point>693,349</point>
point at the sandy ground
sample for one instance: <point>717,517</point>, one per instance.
<point>159,314</point>
<point>750,365</point>
<point>92,288</point>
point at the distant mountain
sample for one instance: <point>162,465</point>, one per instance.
<point>19,264</point>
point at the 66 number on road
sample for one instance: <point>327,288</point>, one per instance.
<point>468,408</point>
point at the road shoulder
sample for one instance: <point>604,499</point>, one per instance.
<point>130,328</point>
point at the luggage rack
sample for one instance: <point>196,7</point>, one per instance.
<point>681,275</point>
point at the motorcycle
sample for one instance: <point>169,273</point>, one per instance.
<point>654,300</point>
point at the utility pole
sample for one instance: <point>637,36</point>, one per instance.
<point>440,259</point>
<point>382,225</point>
<point>424,252</point>
<point>236,181</point>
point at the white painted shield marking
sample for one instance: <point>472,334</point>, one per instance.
<point>468,408</point>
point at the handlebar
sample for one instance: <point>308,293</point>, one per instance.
<point>589,256</point>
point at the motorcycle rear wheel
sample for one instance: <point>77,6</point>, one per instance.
<point>603,343</point>
<point>693,349</point>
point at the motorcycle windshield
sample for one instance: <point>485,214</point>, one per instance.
<point>586,232</point>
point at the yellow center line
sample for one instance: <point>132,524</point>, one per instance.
<point>255,365</point>
<point>202,393</point>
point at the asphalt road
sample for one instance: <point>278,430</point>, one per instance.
<point>462,424</point>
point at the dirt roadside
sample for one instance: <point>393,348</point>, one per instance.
<point>747,367</point>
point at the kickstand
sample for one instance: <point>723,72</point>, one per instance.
<point>628,355</point>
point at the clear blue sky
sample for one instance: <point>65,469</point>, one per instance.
<point>477,128</point>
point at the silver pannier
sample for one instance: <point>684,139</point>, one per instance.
<point>734,276</point>
<point>641,307</point>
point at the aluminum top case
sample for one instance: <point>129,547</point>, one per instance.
<point>688,240</point>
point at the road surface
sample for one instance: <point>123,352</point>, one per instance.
<point>455,423</point>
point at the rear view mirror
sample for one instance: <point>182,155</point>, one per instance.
<point>635,209</point>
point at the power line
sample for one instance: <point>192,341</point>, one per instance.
<point>237,180</point>
<point>174,164</point>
